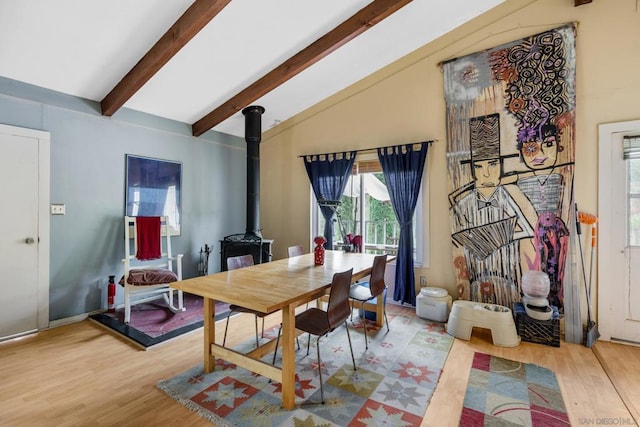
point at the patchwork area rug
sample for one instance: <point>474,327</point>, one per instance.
<point>153,323</point>
<point>503,392</point>
<point>392,386</point>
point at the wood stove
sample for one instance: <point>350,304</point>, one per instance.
<point>245,244</point>
<point>250,242</point>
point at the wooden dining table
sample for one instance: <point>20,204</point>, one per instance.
<point>281,285</point>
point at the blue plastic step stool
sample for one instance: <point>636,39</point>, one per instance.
<point>371,315</point>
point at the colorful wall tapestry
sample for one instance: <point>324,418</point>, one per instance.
<point>510,153</point>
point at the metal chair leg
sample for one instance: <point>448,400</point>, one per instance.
<point>226,328</point>
<point>364,327</point>
<point>275,352</point>
<point>353,359</point>
<point>224,340</point>
<point>319,367</point>
<point>384,309</point>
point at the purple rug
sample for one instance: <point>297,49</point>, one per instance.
<point>152,323</point>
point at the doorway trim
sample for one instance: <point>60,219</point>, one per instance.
<point>44,158</point>
<point>608,254</point>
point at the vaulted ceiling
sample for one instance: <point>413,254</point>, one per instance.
<point>201,62</point>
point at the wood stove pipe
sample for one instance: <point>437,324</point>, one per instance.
<point>253,136</point>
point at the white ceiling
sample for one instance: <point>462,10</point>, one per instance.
<point>85,47</point>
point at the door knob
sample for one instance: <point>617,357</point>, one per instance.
<point>29,240</point>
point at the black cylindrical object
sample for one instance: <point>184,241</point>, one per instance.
<point>253,135</point>
<point>253,123</point>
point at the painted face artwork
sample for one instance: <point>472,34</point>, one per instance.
<point>487,173</point>
<point>540,154</point>
<point>510,157</point>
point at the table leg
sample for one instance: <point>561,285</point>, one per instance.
<point>209,334</point>
<point>380,310</point>
<point>288,357</point>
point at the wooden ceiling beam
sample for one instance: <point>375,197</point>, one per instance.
<point>364,19</point>
<point>194,19</point>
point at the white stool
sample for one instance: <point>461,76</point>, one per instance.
<point>467,314</point>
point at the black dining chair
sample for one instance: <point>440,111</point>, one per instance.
<point>319,322</point>
<point>364,292</point>
<point>233,263</point>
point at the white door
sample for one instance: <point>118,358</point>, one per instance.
<point>619,237</point>
<point>23,231</point>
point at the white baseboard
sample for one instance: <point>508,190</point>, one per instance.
<point>53,324</point>
<point>73,319</point>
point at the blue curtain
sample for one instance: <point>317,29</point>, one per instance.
<point>403,167</point>
<point>329,178</point>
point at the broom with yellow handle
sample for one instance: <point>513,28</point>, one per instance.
<point>592,328</point>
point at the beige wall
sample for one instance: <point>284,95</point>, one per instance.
<point>405,103</point>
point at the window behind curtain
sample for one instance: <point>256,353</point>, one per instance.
<point>381,231</point>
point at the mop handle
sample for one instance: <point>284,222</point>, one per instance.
<point>594,239</point>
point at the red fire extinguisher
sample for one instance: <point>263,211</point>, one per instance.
<point>111,295</point>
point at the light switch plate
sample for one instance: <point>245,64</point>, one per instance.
<point>57,209</point>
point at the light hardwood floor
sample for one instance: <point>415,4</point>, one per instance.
<point>81,374</point>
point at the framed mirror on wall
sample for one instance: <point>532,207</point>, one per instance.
<point>154,188</point>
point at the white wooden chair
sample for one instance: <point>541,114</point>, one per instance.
<point>146,280</point>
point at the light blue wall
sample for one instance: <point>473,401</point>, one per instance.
<point>88,176</point>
